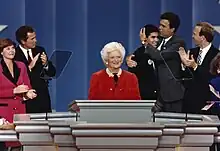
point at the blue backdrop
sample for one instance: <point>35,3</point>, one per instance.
<point>84,26</point>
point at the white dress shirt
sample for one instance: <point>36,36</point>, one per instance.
<point>26,53</point>
<point>204,52</point>
<point>166,40</point>
<point>31,55</point>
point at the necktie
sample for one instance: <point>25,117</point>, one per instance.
<point>163,45</point>
<point>29,57</point>
<point>199,58</point>
<point>115,78</point>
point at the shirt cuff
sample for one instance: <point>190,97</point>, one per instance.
<point>183,67</point>
<point>24,99</point>
<point>46,66</point>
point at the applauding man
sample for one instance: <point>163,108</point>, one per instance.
<point>38,64</point>
<point>198,60</point>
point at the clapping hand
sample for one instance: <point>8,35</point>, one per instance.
<point>31,94</point>
<point>33,62</point>
<point>43,57</point>
<point>187,59</point>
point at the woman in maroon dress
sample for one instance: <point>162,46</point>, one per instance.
<point>15,86</point>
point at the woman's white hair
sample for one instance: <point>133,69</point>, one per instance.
<point>110,47</point>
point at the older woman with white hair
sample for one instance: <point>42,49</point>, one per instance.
<point>113,83</point>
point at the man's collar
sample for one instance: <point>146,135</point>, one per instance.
<point>167,39</point>
<point>207,47</point>
<point>24,49</point>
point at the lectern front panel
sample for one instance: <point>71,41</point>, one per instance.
<point>115,111</point>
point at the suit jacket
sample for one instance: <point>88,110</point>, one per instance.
<point>2,146</point>
<point>103,87</point>
<point>41,103</point>
<point>169,72</point>
<point>145,73</point>
<point>198,91</point>
<point>10,103</point>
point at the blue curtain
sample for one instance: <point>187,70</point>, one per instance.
<point>84,26</point>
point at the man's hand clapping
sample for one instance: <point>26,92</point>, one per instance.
<point>33,62</point>
<point>31,94</point>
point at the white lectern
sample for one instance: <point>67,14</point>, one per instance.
<point>115,111</point>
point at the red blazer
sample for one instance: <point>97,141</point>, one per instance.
<point>103,87</point>
<point>11,104</point>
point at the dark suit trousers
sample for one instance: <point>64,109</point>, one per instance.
<point>2,146</point>
<point>174,106</point>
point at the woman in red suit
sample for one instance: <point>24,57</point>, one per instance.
<point>15,86</point>
<point>113,83</point>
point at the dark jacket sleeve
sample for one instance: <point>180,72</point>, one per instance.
<point>170,53</point>
<point>205,67</point>
<point>49,69</point>
<point>135,58</point>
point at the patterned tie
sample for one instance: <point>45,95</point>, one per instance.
<point>199,58</point>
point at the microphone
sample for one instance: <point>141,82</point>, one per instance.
<point>115,78</point>
<point>176,55</point>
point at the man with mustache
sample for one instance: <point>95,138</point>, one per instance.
<point>39,66</point>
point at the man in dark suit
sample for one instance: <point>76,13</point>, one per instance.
<point>198,60</point>
<point>168,64</point>
<point>39,66</point>
<point>145,69</point>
